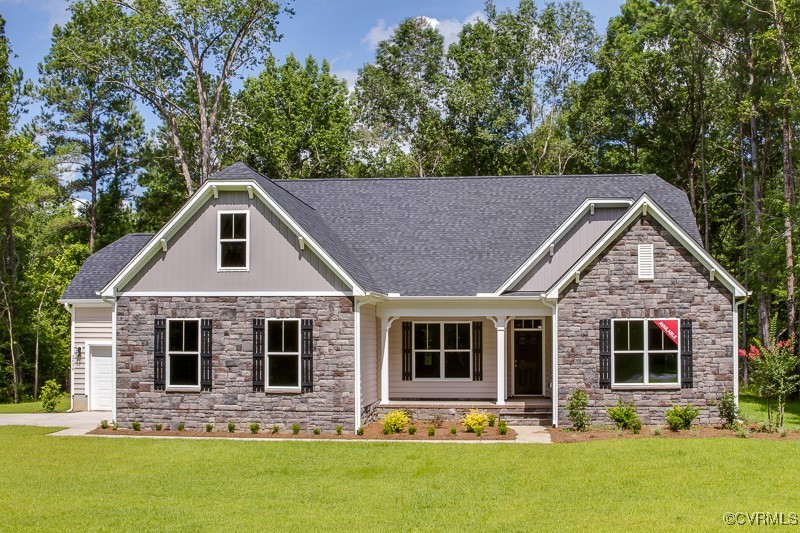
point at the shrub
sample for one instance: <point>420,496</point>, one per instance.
<point>656,431</point>
<point>339,430</point>
<point>475,421</point>
<point>577,403</point>
<point>159,427</point>
<point>255,427</point>
<point>136,426</point>
<point>209,428</point>
<point>317,431</point>
<point>437,421</point>
<point>412,430</point>
<point>104,424</point>
<point>431,431</point>
<point>50,393</point>
<point>624,416</point>
<point>231,427</point>
<point>295,429</point>
<point>681,417</point>
<point>395,422</point>
<point>478,431</point>
<point>782,432</point>
<point>694,430</point>
<point>742,433</point>
<point>492,418</point>
<point>728,411</point>
<point>360,431</point>
<point>115,426</point>
<point>275,429</point>
<point>453,431</point>
<point>181,426</point>
<point>502,427</point>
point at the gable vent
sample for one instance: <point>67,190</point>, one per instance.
<point>646,267</point>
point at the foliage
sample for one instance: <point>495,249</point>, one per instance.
<point>475,421</point>
<point>657,431</point>
<point>136,426</point>
<point>502,427</point>
<point>360,431</point>
<point>317,431</point>
<point>104,424</point>
<point>339,429</point>
<point>231,427</point>
<point>209,428</point>
<point>728,411</point>
<point>295,429</point>
<point>624,416</point>
<point>577,404</point>
<point>437,421</point>
<point>431,431</point>
<point>492,419</point>
<point>255,427</point>
<point>681,417</point>
<point>412,430</point>
<point>51,393</point>
<point>453,430</point>
<point>395,421</point>
<point>275,429</point>
<point>181,426</point>
<point>159,427</point>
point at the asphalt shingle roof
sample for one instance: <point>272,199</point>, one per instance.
<point>101,267</point>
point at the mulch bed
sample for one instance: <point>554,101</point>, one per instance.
<point>372,431</point>
<point>559,435</point>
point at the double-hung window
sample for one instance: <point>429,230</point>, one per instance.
<point>283,353</point>
<point>233,240</point>
<point>442,350</point>
<point>183,354</point>
<point>645,352</point>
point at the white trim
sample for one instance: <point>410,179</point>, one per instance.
<point>386,324</point>
<point>441,351</point>
<point>298,354</point>
<point>662,218</point>
<point>736,305</point>
<point>645,352</point>
<point>114,360</point>
<point>71,358</point>
<point>554,356</point>
<point>235,293</point>
<point>513,354</point>
<point>500,324</point>
<point>548,246</point>
<point>87,344</point>
<point>83,303</point>
<point>190,207</point>
<point>183,388</point>
<point>645,261</point>
<point>234,212</point>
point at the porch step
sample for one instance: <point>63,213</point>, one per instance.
<point>527,416</point>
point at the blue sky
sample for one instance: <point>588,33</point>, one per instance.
<point>343,31</point>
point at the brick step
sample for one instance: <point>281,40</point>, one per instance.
<point>527,417</point>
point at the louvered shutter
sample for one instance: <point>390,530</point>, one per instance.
<point>205,354</point>
<point>307,355</point>
<point>605,354</point>
<point>407,352</point>
<point>477,351</point>
<point>258,355</point>
<point>687,369</point>
<point>159,350</point>
<point>646,261</point>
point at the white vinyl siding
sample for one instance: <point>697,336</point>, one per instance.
<point>90,324</point>
<point>646,262</point>
<point>369,355</point>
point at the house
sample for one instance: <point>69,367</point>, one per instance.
<point>332,301</point>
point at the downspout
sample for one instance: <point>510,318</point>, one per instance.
<point>113,355</point>
<point>357,349</point>
<point>736,346</point>
<point>554,356</point>
<point>71,310</point>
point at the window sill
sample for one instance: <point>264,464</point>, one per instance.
<point>642,386</point>
<point>244,269</point>
<point>282,390</point>
<point>182,389</point>
<point>442,380</point>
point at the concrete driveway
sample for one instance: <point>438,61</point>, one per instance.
<point>76,423</point>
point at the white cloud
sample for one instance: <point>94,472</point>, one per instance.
<point>349,76</point>
<point>449,28</point>
<point>378,33</point>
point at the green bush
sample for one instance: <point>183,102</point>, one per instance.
<point>577,405</point>
<point>453,431</point>
<point>317,431</point>
<point>181,426</point>
<point>492,418</point>
<point>159,427</point>
<point>728,411</point>
<point>50,393</point>
<point>231,427</point>
<point>254,427</point>
<point>338,430</point>
<point>502,427</point>
<point>136,426</point>
<point>412,430</point>
<point>624,416</point>
<point>115,425</point>
<point>474,421</point>
<point>209,428</point>
<point>395,422</point>
<point>681,417</point>
<point>360,431</point>
<point>104,424</point>
<point>275,429</point>
<point>478,431</point>
<point>656,430</point>
<point>431,431</point>
<point>295,429</point>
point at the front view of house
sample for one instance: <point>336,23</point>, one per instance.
<point>331,301</point>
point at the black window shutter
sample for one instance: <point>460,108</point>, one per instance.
<point>258,355</point>
<point>205,354</point>
<point>307,354</point>
<point>605,354</point>
<point>477,351</point>
<point>686,354</point>
<point>407,350</point>
<point>159,348</point>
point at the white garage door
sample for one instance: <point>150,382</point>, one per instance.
<point>102,379</point>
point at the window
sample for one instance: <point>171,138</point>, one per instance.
<point>442,350</point>
<point>232,253</point>
<point>183,354</point>
<point>646,262</point>
<point>283,353</point>
<point>645,352</point>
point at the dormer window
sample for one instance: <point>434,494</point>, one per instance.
<point>233,235</point>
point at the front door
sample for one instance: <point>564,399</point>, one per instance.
<point>528,362</point>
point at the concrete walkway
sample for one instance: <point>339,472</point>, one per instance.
<point>531,435</point>
<point>76,423</point>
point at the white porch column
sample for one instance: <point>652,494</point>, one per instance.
<point>386,323</point>
<point>500,323</point>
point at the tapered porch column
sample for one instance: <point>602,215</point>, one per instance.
<point>386,323</point>
<point>500,323</point>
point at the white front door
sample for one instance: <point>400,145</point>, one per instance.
<point>102,378</point>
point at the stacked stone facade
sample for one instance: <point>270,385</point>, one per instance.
<point>331,403</point>
<point>609,288</point>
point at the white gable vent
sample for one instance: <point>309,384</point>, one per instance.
<point>646,267</point>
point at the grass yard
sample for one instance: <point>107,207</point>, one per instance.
<point>753,408</point>
<point>85,483</point>
<point>32,407</point>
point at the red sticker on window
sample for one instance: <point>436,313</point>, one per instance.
<point>670,327</point>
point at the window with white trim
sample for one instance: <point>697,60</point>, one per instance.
<point>183,353</point>
<point>645,352</point>
<point>233,236</point>
<point>283,353</point>
<point>442,350</point>
<point>646,261</point>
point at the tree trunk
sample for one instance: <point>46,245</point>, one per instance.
<point>706,222</point>
<point>791,307</point>
<point>93,179</point>
<point>745,225</point>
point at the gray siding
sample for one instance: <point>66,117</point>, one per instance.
<point>276,261</point>
<point>369,355</point>
<point>569,249</point>
<point>451,390</point>
<point>89,324</point>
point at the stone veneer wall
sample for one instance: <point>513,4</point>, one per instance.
<point>610,288</point>
<point>232,399</point>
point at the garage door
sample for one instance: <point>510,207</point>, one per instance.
<point>102,379</point>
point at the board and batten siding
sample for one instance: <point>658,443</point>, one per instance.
<point>93,323</point>
<point>569,249</point>
<point>369,355</point>
<point>276,261</point>
<point>444,389</point>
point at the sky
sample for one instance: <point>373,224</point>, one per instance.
<point>343,31</point>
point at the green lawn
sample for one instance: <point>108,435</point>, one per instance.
<point>84,483</point>
<point>753,408</point>
<point>32,407</point>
